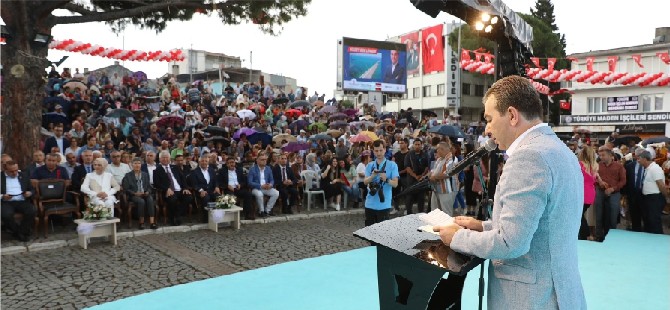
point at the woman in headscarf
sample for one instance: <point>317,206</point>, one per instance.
<point>100,186</point>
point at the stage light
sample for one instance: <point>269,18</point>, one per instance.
<point>42,38</point>
<point>479,26</point>
<point>485,17</point>
<point>488,29</point>
<point>494,20</point>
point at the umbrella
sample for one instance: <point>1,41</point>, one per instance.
<point>116,113</point>
<point>334,133</point>
<point>170,121</point>
<point>300,103</point>
<point>229,120</point>
<point>53,117</point>
<point>282,100</point>
<point>296,147</point>
<point>225,141</point>
<point>448,130</point>
<point>257,106</point>
<point>338,116</point>
<point>626,140</point>
<point>402,121</point>
<point>362,123</point>
<point>350,112</point>
<point>370,134</point>
<point>320,126</point>
<point>279,138</point>
<point>75,84</point>
<point>293,112</point>
<point>328,109</point>
<point>246,114</point>
<point>652,140</point>
<point>196,82</point>
<point>247,131</point>
<point>264,138</point>
<point>428,113</point>
<point>318,103</point>
<point>140,76</point>
<point>215,130</point>
<point>321,136</point>
<point>386,116</point>
<point>337,124</point>
<point>360,138</point>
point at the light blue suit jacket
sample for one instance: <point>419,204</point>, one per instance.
<point>254,177</point>
<point>531,238</point>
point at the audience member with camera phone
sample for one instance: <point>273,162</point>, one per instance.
<point>381,176</point>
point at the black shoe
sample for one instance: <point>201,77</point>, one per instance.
<point>153,226</point>
<point>270,213</point>
<point>141,227</point>
<point>22,237</point>
<point>177,222</point>
<point>263,214</point>
<point>289,212</point>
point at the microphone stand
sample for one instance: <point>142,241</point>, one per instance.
<point>484,203</point>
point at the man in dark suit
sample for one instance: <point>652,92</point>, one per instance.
<point>171,183</point>
<point>395,73</point>
<point>57,140</point>
<point>38,160</point>
<point>184,167</point>
<point>204,182</point>
<point>633,190</point>
<point>232,181</point>
<point>285,184</point>
<point>16,195</point>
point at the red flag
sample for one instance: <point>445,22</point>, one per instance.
<point>433,49</point>
<point>565,105</point>
<point>550,63</point>
<point>589,63</point>
<point>638,60</point>
<point>665,57</point>
<point>611,62</point>
<point>413,51</point>
<point>487,58</point>
<point>465,55</point>
<point>536,61</point>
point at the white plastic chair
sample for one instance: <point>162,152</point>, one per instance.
<point>309,179</point>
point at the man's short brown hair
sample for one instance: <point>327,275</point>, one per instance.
<point>518,92</point>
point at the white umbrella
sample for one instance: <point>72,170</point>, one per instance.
<point>246,114</point>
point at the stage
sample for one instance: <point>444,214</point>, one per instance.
<point>628,271</point>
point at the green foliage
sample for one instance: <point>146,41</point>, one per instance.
<point>544,10</point>
<point>268,15</point>
<point>469,40</point>
<point>545,42</point>
<point>347,104</point>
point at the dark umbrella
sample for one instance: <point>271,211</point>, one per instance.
<point>280,100</point>
<point>626,140</point>
<point>260,136</point>
<point>116,113</point>
<point>402,121</point>
<point>337,116</point>
<point>428,113</point>
<point>652,140</point>
<point>338,124</point>
<point>298,125</point>
<point>296,147</point>
<point>170,121</point>
<point>215,130</point>
<point>385,116</point>
<point>246,131</point>
<point>448,130</point>
<point>54,118</point>
<point>300,103</point>
<point>350,112</point>
<point>328,109</point>
<point>321,137</point>
<point>226,142</point>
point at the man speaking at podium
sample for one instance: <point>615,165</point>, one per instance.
<point>531,238</point>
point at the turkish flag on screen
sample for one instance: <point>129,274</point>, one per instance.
<point>433,49</point>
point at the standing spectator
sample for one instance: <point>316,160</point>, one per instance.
<point>417,166</point>
<point>633,189</point>
<point>57,140</point>
<point>611,179</point>
<point>654,193</point>
<point>589,166</point>
<point>481,140</point>
<point>383,174</point>
<point>399,159</point>
<point>78,75</point>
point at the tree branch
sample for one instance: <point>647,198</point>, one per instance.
<point>127,13</point>
<point>77,8</point>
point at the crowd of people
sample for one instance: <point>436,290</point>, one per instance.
<point>176,149</point>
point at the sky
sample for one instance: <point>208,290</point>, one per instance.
<point>306,47</point>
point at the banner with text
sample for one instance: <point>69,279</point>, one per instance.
<point>629,103</point>
<point>453,88</point>
<point>615,118</point>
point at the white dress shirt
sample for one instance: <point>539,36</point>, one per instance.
<point>232,178</point>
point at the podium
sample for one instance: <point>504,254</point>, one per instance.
<point>411,265</point>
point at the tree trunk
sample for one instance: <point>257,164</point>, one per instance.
<point>23,71</point>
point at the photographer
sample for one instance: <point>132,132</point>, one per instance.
<point>381,175</point>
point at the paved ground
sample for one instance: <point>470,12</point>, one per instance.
<point>70,277</point>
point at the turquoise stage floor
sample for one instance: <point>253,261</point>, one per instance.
<point>628,271</point>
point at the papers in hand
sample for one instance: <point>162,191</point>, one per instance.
<point>435,218</point>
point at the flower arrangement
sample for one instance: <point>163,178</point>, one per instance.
<point>225,202</point>
<point>96,212</point>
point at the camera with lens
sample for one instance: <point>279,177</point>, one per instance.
<point>374,188</point>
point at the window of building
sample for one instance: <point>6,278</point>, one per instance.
<point>658,102</point>
<point>440,89</point>
<point>652,102</point>
<point>415,92</point>
<point>426,91</point>
<point>603,102</point>
<point>479,90</point>
<point>465,89</point>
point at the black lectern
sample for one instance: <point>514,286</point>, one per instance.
<point>411,264</point>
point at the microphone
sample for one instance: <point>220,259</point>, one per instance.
<point>489,146</point>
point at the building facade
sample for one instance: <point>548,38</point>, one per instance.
<point>629,109</point>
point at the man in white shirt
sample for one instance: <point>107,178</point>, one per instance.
<point>262,183</point>
<point>654,193</point>
<point>444,188</point>
<point>150,165</point>
<point>117,168</point>
<point>482,139</point>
